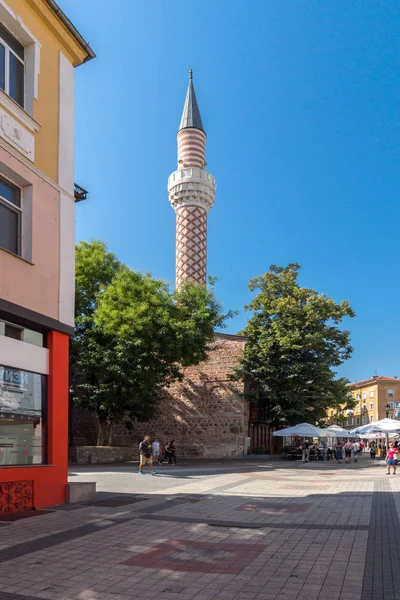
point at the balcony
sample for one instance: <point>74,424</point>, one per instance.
<point>80,193</point>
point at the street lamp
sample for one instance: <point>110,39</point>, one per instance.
<point>388,409</point>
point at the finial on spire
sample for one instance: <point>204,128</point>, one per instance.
<point>191,113</point>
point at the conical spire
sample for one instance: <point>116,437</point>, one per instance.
<point>191,114</point>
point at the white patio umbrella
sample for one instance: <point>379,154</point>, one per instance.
<point>380,436</point>
<point>384,426</point>
<point>302,430</point>
<point>336,431</point>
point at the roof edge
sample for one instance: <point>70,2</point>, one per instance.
<point>72,29</point>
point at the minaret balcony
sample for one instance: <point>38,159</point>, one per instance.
<point>191,186</point>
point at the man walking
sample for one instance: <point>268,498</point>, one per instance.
<point>356,450</point>
<point>145,456</point>
<point>306,451</point>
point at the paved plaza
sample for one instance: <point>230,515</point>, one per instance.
<point>246,530</point>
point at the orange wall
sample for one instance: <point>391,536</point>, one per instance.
<point>50,480</point>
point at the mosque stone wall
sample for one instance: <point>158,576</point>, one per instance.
<point>205,413</point>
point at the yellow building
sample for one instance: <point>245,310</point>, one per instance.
<point>375,399</point>
<point>39,49</point>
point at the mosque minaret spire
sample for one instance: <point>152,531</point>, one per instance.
<point>191,191</point>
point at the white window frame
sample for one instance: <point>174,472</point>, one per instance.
<point>364,420</point>
<point>15,209</point>
<point>364,396</point>
<point>14,24</point>
<point>7,69</point>
<point>390,392</point>
<point>371,394</point>
<point>358,409</point>
<point>358,396</point>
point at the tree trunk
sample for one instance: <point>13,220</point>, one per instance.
<point>110,433</point>
<point>101,434</point>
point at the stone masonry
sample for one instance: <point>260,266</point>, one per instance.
<point>205,413</point>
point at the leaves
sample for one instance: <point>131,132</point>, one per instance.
<point>294,343</point>
<point>133,336</point>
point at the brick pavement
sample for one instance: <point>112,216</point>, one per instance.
<point>269,531</point>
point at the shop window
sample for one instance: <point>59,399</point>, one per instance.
<point>357,420</point>
<point>23,401</point>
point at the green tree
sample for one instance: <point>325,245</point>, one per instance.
<point>294,343</point>
<point>133,336</point>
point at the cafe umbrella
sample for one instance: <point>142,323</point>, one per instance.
<point>302,430</point>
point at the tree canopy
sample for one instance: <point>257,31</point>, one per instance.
<point>133,335</point>
<point>294,344</point>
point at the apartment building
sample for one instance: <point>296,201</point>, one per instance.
<point>375,399</point>
<point>39,49</point>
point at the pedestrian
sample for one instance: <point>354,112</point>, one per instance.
<point>170,451</point>
<point>361,444</point>
<point>324,450</point>
<point>348,447</point>
<point>305,447</point>
<point>339,452</point>
<point>372,450</point>
<point>145,456</point>
<point>391,459</point>
<point>156,452</point>
<point>356,450</point>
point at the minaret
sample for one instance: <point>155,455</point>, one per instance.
<point>191,191</point>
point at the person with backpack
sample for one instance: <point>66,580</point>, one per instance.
<point>145,456</point>
<point>348,447</point>
<point>305,447</point>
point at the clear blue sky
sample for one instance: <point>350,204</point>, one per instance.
<point>300,101</point>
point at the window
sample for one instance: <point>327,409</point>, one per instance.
<point>22,417</point>
<point>364,420</point>
<point>12,66</point>
<point>391,404</point>
<point>357,420</point>
<point>371,394</point>
<point>371,418</point>
<point>10,216</point>
<point>371,406</point>
<point>351,421</point>
<point>358,396</point>
<point>390,393</point>
<point>364,395</point>
<point>358,409</point>
<point>21,333</point>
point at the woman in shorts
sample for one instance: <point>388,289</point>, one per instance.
<point>391,459</point>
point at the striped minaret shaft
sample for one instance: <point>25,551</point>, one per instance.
<point>191,192</point>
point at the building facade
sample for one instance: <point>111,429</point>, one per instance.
<point>375,399</point>
<point>39,49</point>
